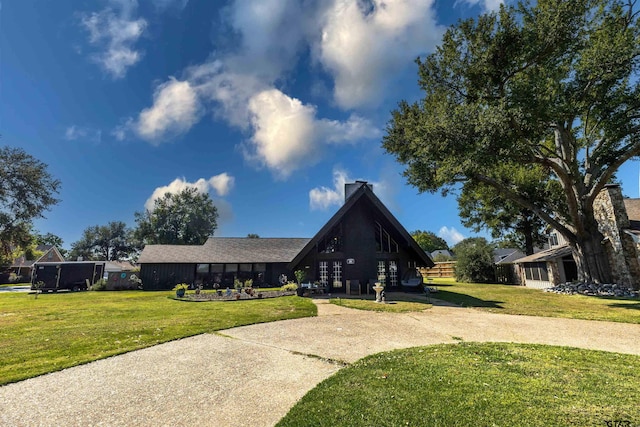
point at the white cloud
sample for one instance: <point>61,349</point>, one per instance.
<point>175,109</point>
<point>115,33</point>
<point>221,183</point>
<point>287,135</point>
<point>74,133</point>
<point>364,49</point>
<point>487,5</point>
<point>322,198</point>
<point>451,235</point>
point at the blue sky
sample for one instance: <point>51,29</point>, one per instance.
<point>268,105</point>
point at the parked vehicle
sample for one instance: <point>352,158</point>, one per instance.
<point>72,275</point>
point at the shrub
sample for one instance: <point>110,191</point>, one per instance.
<point>289,287</point>
<point>248,283</point>
<point>474,261</point>
<point>100,285</point>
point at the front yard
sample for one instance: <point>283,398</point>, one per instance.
<point>510,299</point>
<point>56,331</point>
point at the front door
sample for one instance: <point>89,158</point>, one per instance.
<point>388,273</point>
<point>331,275</point>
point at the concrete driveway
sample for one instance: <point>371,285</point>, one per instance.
<point>252,375</point>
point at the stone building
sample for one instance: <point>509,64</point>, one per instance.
<point>619,222</point>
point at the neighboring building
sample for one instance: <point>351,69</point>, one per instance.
<point>442,253</point>
<point>24,268</point>
<point>619,222</point>
<point>362,242</point>
<point>506,270</point>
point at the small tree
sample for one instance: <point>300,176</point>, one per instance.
<point>474,261</point>
<point>300,275</point>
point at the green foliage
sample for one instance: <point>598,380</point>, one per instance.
<point>300,275</point>
<point>48,239</point>
<point>289,287</point>
<point>184,218</point>
<point>27,190</point>
<point>429,241</point>
<point>442,258</point>
<point>99,285</point>
<point>471,384</point>
<point>61,330</point>
<point>253,236</point>
<point>111,242</point>
<point>549,84</point>
<point>474,260</point>
<point>482,206</point>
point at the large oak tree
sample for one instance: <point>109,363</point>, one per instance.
<point>552,83</point>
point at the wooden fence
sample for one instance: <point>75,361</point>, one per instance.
<point>441,269</point>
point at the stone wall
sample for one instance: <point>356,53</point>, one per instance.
<point>610,212</point>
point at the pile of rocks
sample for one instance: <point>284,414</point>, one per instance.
<point>594,289</point>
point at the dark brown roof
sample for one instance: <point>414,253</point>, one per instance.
<point>226,250</point>
<point>366,192</point>
<point>633,212</point>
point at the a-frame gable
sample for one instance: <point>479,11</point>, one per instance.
<point>363,192</point>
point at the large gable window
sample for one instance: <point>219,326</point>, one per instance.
<point>332,241</point>
<point>384,242</point>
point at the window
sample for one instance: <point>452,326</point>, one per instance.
<point>393,274</point>
<point>382,273</point>
<point>231,268</point>
<point>323,269</point>
<point>337,274</point>
<point>332,241</point>
<point>536,271</point>
<point>384,241</point>
<point>553,239</point>
<point>217,268</point>
<point>245,268</point>
<point>202,268</point>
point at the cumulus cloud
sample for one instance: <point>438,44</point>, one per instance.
<point>451,235</point>
<point>115,31</point>
<point>221,184</point>
<point>364,43</point>
<point>322,198</point>
<point>361,44</point>
<point>175,109</point>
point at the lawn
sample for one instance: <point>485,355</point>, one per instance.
<point>510,299</point>
<point>56,331</point>
<point>398,305</point>
<point>472,384</point>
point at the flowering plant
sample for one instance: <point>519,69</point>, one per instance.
<point>179,286</point>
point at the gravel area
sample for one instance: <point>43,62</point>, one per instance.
<point>252,375</point>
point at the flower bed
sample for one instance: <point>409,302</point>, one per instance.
<point>235,296</point>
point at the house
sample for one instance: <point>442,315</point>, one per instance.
<point>619,222</point>
<point>442,254</point>
<point>23,268</point>
<point>503,260</point>
<point>360,243</point>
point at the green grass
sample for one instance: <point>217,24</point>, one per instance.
<point>509,299</point>
<point>399,305</point>
<point>56,331</point>
<point>472,384</point>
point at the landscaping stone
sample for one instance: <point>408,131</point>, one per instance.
<point>594,289</point>
<point>219,296</point>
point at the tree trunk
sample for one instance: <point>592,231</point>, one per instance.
<point>591,258</point>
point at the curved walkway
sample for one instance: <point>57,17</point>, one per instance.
<point>252,375</point>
